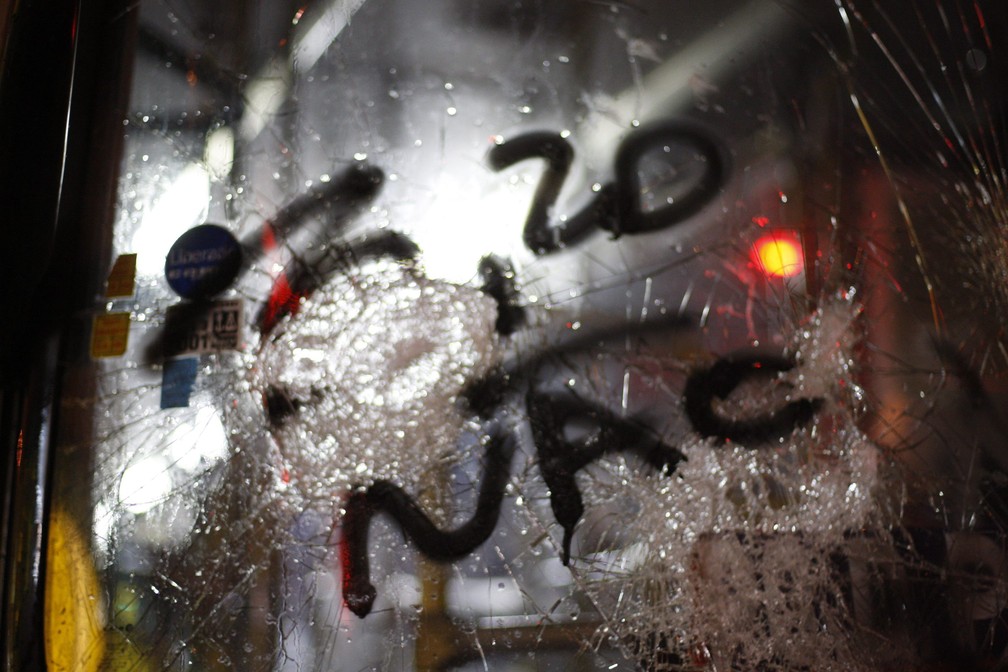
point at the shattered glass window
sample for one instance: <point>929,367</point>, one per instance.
<point>528,335</point>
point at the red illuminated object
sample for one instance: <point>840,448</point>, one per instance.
<point>779,255</point>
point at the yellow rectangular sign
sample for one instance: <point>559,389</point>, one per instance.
<point>110,334</point>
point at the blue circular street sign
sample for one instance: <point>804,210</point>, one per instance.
<point>203,262</point>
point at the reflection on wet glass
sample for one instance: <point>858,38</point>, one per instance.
<point>565,335</point>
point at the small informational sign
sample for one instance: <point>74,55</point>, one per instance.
<point>203,262</point>
<point>177,382</point>
<point>110,334</point>
<point>196,329</point>
<point>122,277</point>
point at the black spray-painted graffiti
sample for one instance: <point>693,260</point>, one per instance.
<point>614,208</point>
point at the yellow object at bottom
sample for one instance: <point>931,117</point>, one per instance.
<point>74,610</point>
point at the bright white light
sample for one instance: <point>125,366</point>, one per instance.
<point>464,225</point>
<point>218,154</point>
<point>264,95</point>
<point>312,43</point>
<point>102,527</point>
<point>270,87</point>
<point>144,484</point>
<point>183,205</point>
<point>198,444</point>
<point>311,354</point>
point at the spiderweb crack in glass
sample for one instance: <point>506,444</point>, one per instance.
<point>848,535</point>
<point>373,365</point>
<point>757,527</point>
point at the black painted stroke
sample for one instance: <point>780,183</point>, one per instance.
<point>718,381</point>
<point>616,206</point>
<point>560,459</point>
<point>385,497</point>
